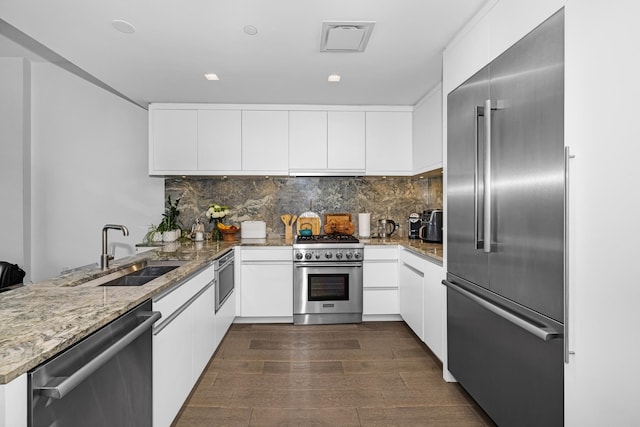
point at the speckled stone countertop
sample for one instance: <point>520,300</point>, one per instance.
<point>38,321</point>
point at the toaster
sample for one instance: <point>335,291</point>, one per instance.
<point>431,230</point>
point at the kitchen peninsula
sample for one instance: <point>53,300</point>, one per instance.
<point>39,321</point>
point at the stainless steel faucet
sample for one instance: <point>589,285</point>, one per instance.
<point>105,257</point>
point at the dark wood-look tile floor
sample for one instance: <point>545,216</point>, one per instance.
<point>368,374</point>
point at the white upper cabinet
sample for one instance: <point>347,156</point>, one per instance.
<point>208,139</point>
<point>173,141</point>
<point>265,142</point>
<point>389,143</point>
<point>307,140</point>
<point>427,132</point>
<point>327,143</point>
<point>346,141</point>
<point>219,141</point>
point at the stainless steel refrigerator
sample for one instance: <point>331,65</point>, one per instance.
<point>505,231</point>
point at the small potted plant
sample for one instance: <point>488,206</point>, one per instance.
<point>169,224</point>
<point>153,235</point>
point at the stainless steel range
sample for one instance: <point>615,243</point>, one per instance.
<point>327,279</point>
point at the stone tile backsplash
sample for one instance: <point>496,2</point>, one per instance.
<point>265,199</point>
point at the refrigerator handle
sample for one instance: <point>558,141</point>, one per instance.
<point>567,351</point>
<point>543,332</point>
<point>479,244</point>
<point>487,177</point>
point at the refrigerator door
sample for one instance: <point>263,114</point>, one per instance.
<point>465,148</point>
<point>515,375</point>
<point>526,263</point>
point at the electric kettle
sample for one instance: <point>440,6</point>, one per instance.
<point>386,227</point>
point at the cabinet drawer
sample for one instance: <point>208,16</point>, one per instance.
<point>380,301</point>
<point>267,254</point>
<point>168,303</point>
<point>380,253</point>
<point>380,274</point>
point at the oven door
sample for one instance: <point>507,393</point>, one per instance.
<point>327,292</point>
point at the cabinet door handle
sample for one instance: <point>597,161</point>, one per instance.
<point>182,308</point>
<point>412,268</point>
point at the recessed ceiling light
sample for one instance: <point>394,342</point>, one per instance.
<point>123,26</point>
<point>211,76</point>
<point>334,78</point>
<point>250,30</point>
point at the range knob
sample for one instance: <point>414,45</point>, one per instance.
<point>356,255</point>
<point>349,255</point>
<point>307,255</point>
<point>299,255</point>
<point>328,255</point>
<point>339,255</point>
<point>317,255</point>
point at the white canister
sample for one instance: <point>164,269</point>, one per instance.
<point>364,224</point>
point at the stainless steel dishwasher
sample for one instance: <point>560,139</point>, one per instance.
<point>104,380</point>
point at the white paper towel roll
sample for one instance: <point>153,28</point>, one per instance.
<point>364,224</point>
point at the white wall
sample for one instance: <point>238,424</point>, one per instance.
<point>601,127</point>
<point>14,137</point>
<point>89,168</point>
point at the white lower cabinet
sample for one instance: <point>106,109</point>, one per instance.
<point>172,367</point>
<point>380,281</point>
<point>410,289</point>
<point>434,301</point>
<point>266,282</point>
<point>13,402</point>
<point>183,343</point>
<point>204,337</point>
<point>224,318</point>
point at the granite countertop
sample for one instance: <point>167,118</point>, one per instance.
<point>38,321</point>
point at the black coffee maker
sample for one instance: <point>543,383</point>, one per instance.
<point>415,222</point>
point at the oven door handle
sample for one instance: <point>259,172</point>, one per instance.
<point>327,264</point>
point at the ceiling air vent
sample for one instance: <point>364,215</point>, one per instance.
<point>345,36</point>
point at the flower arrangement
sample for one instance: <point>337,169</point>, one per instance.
<point>216,213</point>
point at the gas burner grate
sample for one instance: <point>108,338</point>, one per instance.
<point>328,238</point>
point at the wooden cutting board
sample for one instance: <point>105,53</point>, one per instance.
<point>337,217</point>
<point>338,223</point>
<point>313,222</point>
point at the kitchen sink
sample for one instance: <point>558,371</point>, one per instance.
<point>137,274</point>
<point>140,277</point>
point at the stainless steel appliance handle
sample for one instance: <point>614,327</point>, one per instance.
<point>225,264</point>
<point>182,308</point>
<point>476,166</point>
<point>487,196</point>
<point>542,332</point>
<point>61,389</point>
<point>327,264</point>
<point>567,350</point>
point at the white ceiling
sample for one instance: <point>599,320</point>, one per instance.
<point>177,41</point>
